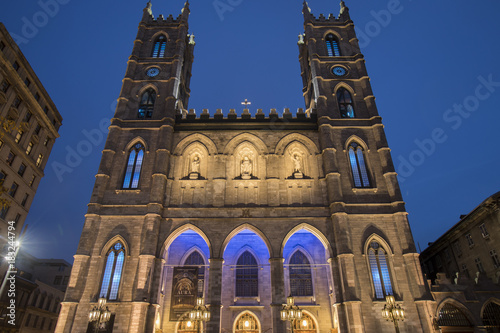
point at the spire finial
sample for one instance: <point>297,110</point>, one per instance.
<point>305,8</point>
<point>343,7</point>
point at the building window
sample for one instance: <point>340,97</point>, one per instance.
<point>46,141</point>
<point>304,325</point>
<point>37,129</point>
<point>332,46</point>
<point>15,65</point>
<point>35,322</point>
<point>65,280</point>
<point>29,148</point>
<point>113,272</point>
<point>3,175</point>
<point>2,45</point>
<point>4,211</point>
<point>25,199</point>
<point>17,102</point>
<point>10,158</point>
<point>465,271</point>
<point>4,86</point>
<point>13,189</point>
<point>379,270</point>
<point>27,82</point>
<point>32,181</point>
<point>494,257</point>
<point>147,104</point>
<point>17,218</point>
<point>479,265</point>
<point>39,160</point>
<point>27,116</point>
<point>46,110</point>
<point>134,166</point>
<point>57,280</point>
<point>195,259</point>
<point>447,254</point>
<point>450,315</point>
<point>19,136</point>
<point>484,231</point>
<point>247,276</point>
<point>37,97</point>
<point>159,47</point>
<point>469,240</point>
<point>457,248</point>
<point>247,323</point>
<point>346,105</point>
<point>358,166</point>
<point>491,317</point>
<point>22,169</point>
<point>300,275</point>
<point>42,323</point>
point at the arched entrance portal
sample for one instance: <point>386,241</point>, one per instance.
<point>305,325</point>
<point>247,322</point>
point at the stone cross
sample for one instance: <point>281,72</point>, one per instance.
<point>246,103</point>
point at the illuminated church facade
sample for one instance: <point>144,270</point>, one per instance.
<point>246,209</point>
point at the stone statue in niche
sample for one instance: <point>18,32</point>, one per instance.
<point>246,168</point>
<point>297,166</point>
<point>195,168</point>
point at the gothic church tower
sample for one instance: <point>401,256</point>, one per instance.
<point>245,210</point>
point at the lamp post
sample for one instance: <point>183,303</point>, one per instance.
<point>393,311</point>
<point>290,311</point>
<point>99,314</point>
<point>200,313</point>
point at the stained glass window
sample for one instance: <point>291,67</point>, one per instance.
<point>332,46</point>
<point>247,276</point>
<point>134,166</point>
<point>346,104</point>
<point>300,275</point>
<point>247,323</point>
<point>159,47</point>
<point>379,270</point>
<point>358,166</point>
<point>113,272</point>
<point>147,104</point>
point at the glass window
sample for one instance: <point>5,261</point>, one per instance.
<point>346,105</point>
<point>479,265</point>
<point>484,231</point>
<point>4,86</point>
<point>147,104</point>
<point>37,129</point>
<point>22,169</point>
<point>469,240</point>
<point>450,315</point>
<point>19,136</point>
<point>65,280</point>
<point>37,97</point>
<point>379,270</point>
<point>134,166</point>
<point>4,211</point>
<point>358,166</point>
<point>29,148</point>
<point>332,46</point>
<point>32,181</point>
<point>27,82</point>
<point>457,248</point>
<point>17,218</point>
<point>25,199</point>
<point>46,141</point>
<point>10,158</point>
<point>39,160</point>
<point>300,275</point>
<point>494,257</point>
<point>195,259</point>
<point>304,325</point>
<point>57,280</point>
<point>159,47</point>
<point>3,175</point>
<point>247,276</point>
<point>13,189</point>
<point>17,102</point>
<point>465,271</point>
<point>2,45</point>
<point>15,65</point>
<point>247,323</point>
<point>113,272</point>
<point>27,116</point>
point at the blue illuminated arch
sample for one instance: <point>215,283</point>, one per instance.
<point>159,47</point>
<point>134,166</point>
<point>180,230</point>
<point>251,228</point>
<point>313,230</point>
<point>378,253</point>
<point>111,279</point>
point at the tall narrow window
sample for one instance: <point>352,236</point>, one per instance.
<point>491,317</point>
<point>346,105</point>
<point>247,276</point>
<point>332,46</point>
<point>147,104</point>
<point>380,270</point>
<point>113,272</point>
<point>479,265</point>
<point>159,47</point>
<point>134,166</point>
<point>358,166</point>
<point>494,257</point>
<point>300,275</point>
<point>195,259</point>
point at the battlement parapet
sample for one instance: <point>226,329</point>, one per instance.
<point>246,115</point>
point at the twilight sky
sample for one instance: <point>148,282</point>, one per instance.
<point>433,65</point>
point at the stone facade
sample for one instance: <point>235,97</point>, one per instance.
<point>266,185</point>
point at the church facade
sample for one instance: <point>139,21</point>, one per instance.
<point>245,210</point>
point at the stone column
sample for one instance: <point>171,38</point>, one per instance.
<point>214,292</point>
<point>278,293</point>
<point>66,316</point>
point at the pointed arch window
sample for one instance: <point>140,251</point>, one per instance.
<point>358,166</point>
<point>450,315</point>
<point>159,47</point>
<point>147,104</point>
<point>247,323</point>
<point>491,317</point>
<point>379,270</point>
<point>305,325</point>
<point>113,272</point>
<point>195,259</point>
<point>300,275</point>
<point>332,46</point>
<point>134,166</point>
<point>346,105</point>
<point>247,276</point>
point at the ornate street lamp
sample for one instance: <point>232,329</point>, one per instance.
<point>199,314</point>
<point>290,311</point>
<point>393,312</point>
<point>99,314</point>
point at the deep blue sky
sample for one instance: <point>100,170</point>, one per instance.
<point>425,60</point>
